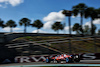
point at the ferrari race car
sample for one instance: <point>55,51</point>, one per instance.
<point>63,57</point>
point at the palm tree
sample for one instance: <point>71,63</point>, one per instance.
<point>99,32</point>
<point>38,24</point>
<point>91,12</point>
<point>68,13</point>
<point>86,30</point>
<point>77,28</point>
<point>11,24</point>
<point>2,23</point>
<point>98,12</point>
<point>57,26</point>
<point>94,29</point>
<point>25,22</point>
<point>79,9</point>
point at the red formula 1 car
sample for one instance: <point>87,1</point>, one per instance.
<point>63,57</point>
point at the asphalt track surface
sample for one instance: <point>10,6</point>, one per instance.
<point>33,64</point>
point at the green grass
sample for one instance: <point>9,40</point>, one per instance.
<point>76,46</point>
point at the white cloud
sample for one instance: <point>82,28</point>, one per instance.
<point>12,2</point>
<point>67,28</point>
<point>73,16</point>
<point>96,21</point>
<point>7,29</point>
<point>40,31</point>
<point>48,25</point>
<point>53,17</point>
<point>87,23</point>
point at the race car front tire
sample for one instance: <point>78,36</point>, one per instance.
<point>76,58</point>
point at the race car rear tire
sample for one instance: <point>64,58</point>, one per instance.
<point>70,60</point>
<point>48,60</point>
<point>67,60</point>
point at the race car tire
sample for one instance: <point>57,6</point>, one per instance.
<point>58,61</point>
<point>67,60</point>
<point>47,60</point>
<point>76,58</point>
<point>70,60</point>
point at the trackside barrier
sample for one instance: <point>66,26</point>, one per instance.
<point>83,56</point>
<point>40,58</point>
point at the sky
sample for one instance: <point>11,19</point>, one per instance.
<point>48,11</point>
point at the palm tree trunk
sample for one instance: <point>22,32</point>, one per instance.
<point>82,24</point>
<point>57,31</point>
<point>24,29</point>
<point>11,29</point>
<point>37,30</point>
<point>64,27</point>
<point>77,32</point>
<point>69,26</point>
<point>91,26</point>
